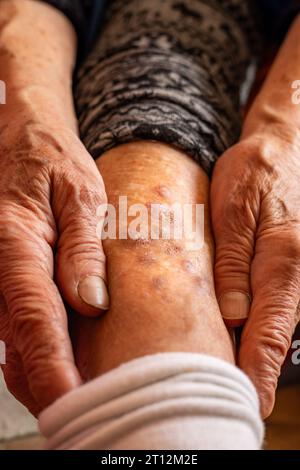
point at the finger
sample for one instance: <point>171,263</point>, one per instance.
<point>267,334</point>
<point>12,369</point>
<point>80,260</point>
<point>234,215</point>
<point>37,317</point>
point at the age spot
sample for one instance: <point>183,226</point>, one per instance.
<point>158,283</point>
<point>189,266</point>
<point>172,248</point>
<point>202,285</point>
<point>140,241</point>
<point>146,259</point>
<point>135,243</point>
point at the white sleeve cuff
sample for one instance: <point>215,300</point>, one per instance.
<point>171,401</point>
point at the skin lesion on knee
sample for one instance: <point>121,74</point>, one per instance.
<point>161,294</point>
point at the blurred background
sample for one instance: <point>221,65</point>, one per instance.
<point>18,429</point>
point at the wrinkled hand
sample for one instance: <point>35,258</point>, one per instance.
<point>50,189</point>
<point>256,221</point>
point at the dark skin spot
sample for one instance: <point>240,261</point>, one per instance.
<point>172,248</point>
<point>158,283</point>
<point>135,244</point>
<point>189,266</point>
<point>29,122</point>
<point>146,259</point>
<point>199,281</point>
<point>202,285</point>
<point>140,241</point>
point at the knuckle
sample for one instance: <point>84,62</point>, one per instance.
<point>272,341</point>
<point>31,320</point>
<point>25,320</point>
<point>78,196</point>
<point>282,261</point>
<point>242,205</point>
<point>39,360</point>
<point>292,244</point>
<point>235,257</point>
<point>288,248</point>
<point>19,226</point>
<point>26,181</point>
<point>79,246</point>
<point>257,153</point>
<point>35,340</point>
<point>91,197</point>
<point>237,208</point>
<point>11,223</point>
<point>275,347</point>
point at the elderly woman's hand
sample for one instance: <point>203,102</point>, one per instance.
<point>256,220</point>
<point>50,189</point>
<point>49,193</point>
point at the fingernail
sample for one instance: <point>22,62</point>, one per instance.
<point>93,291</point>
<point>234,307</point>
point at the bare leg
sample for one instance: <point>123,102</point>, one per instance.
<point>162,294</point>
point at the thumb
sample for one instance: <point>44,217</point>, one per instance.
<point>80,260</point>
<point>274,314</point>
<point>234,227</point>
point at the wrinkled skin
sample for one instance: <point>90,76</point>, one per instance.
<point>256,219</point>
<point>49,191</point>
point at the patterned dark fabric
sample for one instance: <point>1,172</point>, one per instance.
<point>87,15</point>
<point>167,70</point>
